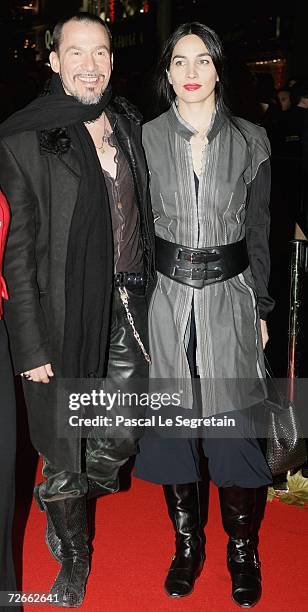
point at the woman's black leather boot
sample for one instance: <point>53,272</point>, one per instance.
<point>242,513</point>
<point>184,509</point>
<point>69,520</point>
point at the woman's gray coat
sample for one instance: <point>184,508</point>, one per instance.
<point>232,203</point>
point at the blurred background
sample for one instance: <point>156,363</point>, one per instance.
<point>263,51</point>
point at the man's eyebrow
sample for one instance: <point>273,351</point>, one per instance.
<point>184,56</point>
<point>82,48</point>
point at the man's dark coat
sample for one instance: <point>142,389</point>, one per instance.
<point>39,174</point>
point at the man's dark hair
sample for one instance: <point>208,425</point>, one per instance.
<point>81,18</point>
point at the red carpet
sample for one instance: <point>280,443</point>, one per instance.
<point>132,549</point>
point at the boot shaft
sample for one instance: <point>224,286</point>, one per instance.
<point>240,511</point>
<point>184,509</point>
<point>69,518</point>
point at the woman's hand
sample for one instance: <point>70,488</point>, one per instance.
<point>264,333</point>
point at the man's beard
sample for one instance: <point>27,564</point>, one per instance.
<point>87,98</point>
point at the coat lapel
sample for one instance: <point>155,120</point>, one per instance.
<point>65,187</point>
<point>70,161</point>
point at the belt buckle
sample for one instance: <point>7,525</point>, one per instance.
<point>120,279</point>
<point>180,255</point>
<point>213,279</point>
<point>192,274</point>
<point>194,257</point>
<point>195,273</point>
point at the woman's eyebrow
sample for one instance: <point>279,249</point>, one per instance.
<point>184,56</point>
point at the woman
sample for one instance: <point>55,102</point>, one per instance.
<point>7,432</point>
<point>210,182</point>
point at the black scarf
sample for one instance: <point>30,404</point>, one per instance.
<point>89,263</point>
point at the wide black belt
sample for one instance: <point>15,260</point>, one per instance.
<point>200,267</point>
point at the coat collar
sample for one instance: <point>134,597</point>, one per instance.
<point>184,129</point>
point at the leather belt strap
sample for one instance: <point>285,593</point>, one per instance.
<point>129,279</point>
<point>200,267</point>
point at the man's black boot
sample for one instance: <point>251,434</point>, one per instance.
<point>95,489</point>
<point>241,514</point>
<point>183,502</point>
<point>69,520</point>
<point>51,539</point>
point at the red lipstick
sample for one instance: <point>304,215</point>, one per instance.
<point>192,86</point>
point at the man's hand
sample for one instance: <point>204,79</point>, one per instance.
<point>264,333</point>
<point>40,374</point>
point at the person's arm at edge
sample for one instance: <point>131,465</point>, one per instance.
<point>23,313</point>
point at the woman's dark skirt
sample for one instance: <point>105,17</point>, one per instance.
<point>236,461</point>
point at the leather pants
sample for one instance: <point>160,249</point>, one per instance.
<point>105,453</point>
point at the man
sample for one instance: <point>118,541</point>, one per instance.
<point>81,237</point>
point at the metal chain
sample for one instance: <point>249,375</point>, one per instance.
<point>124,298</point>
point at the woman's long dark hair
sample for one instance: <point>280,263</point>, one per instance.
<point>164,89</point>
